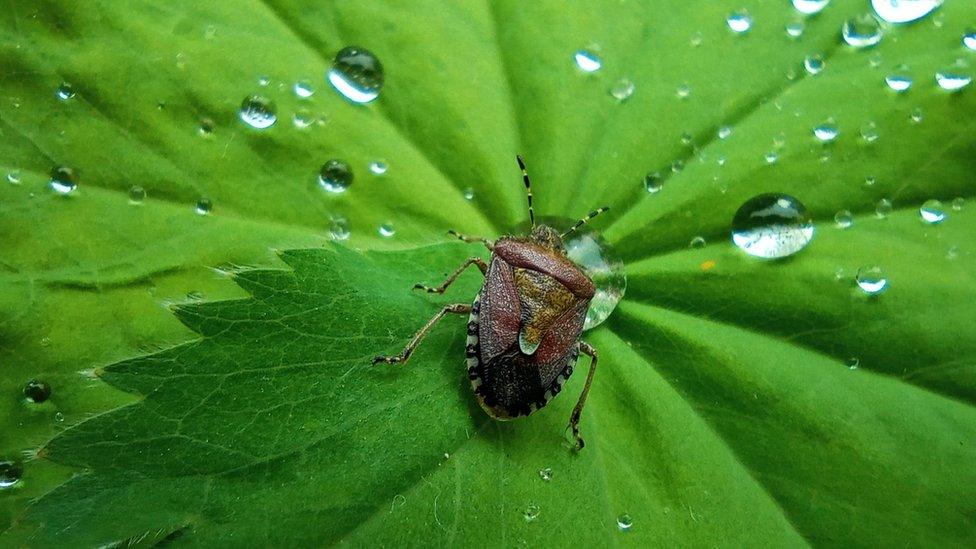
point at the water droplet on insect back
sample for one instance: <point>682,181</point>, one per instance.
<point>597,260</point>
<point>258,112</point>
<point>772,226</point>
<point>357,74</point>
<point>904,11</point>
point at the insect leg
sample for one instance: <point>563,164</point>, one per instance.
<point>574,419</point>
<point>470,239</point>
<point>457,272</point>
<point>456,308</point>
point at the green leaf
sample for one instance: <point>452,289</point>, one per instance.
<point>210,389</point>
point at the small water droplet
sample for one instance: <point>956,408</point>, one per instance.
<point>531,513</point>
<point>826,132</point>
<point>724,132</point>
<point>206,127</point>
<point>687,139</point>
<point>356,74</point>
<point>871,280</point>
<point>10,474</point>
<point>625,523</point>
<point>677,166</point>
<point>65,91</point>
<point>587,61</point>
<point>210,31</point>
<point>468,193</point>
<point>13,177</point>
<point>623,89</point>
<point>59,417</point>
<point>869,132</point>
<point>335,176</point>
<point>303,89</point>
<point>957,203</point>
<point>795,29</point>
<point>875,60</point>
<point>203,206</point>
<point>771,157</point>
<point>697,242</point>
<point>862,31</point>
<point>386,230</point>
<point>696,39</point>
<point>779,141</point>
<point>136,194</point>
<point>37,391</point>
<point>813,63</point>
<point>545,474</point>
<point>64,180</point>
<point>653,183</point>
<point>932,212</point>
<point>257,111</point>
<point>771,226</point>
<point>810,7</point>
<point>264,80</point>
<point>378,167</point>
<point>899,81</point>
<point>952,81</point>
<point>916,115</point>
<point>883,208</point>
<point>739,21</point>
<point>853,363</point>
<point>684,90</point>
<point>180,61</point>
<point>870,180</point>
<point>969,40</point>
<point>598,260</point>
<point>339,228</point>
<point>844,219</point>
<point>302,118</point>
<point>904,11</point>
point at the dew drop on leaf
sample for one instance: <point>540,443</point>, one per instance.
<point>813,63</point>
<point>63,180</point>
<point>13,177</point>
<point>810,7</point>
<point>795,29</point>
<point>899,82</point>
<point>724,132</point>
<point>587,61</point>
<point>203,206</point>
<point>137,194</point>
<point>772,226</point>
<point>264,80</point>
<point>844,219</point>
<point>356,74</point>
<point>826,132</point>
<point>625,523</point>
<point>653,183</point>
<point>206,127</point>
<point>904,11</point>
<point>339,228</point>
<point>916,116</point>
<point>739,21</point>
<point>531,513</point>
<point>37,391</point>
<point>303,89</point>
<point>952,81</point>
<point>65,91</point>
<point>684,90</point>
<point>597,259</point>
<point>869,132</point>
<point>10,474</point>
<point>257,111</point>
<point>871,280</point>
<point>957,203</point>
<point>771,157</point>
<point>335,176</point>
<point>862,31</point>
<point>883,208</point>
<point>302,119</point>
<point>969,40</point>
<point>468,193</point>
<point>378,167</point>
<point>386,230</point>
<point>623,89</point>
<point>697,242</point>
<point>932,212</point>
<point>853,363</point>
<point>545,474</point>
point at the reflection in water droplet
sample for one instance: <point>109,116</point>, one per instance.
<point>303,89</point>
<point>932,212</point>
<point>625,523</point>
<point>952,81</point>
<point>871,280</point>
<point>13,177</point>
<point>810,7</point>
<point>357,74</point>
<point>257,111</point>
<point>531,513</point>
<point>772,225</point>
<point>339,229</point>
<point>63,180</point>
<point>597,259</point>
<point>813,63</point>
<point>826,132</point>
<point>883,208</point>
<point>10,474</point>
<point>65,91</point>
<point>136,194</point>
<point>587,61</point>
<point>204,206</point>
<point>335,176</point>
<point>387,230</point>
<point>653,182</point>
<point>545,474</point>
<point>904,11</point>
<point>739,21</point>
<point>37,391</point>
<point>862,31</point>
<point>377,167</point>
<point>844,219</point>
<point>623,89</point>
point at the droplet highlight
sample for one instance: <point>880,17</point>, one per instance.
<point>623,89</point>
<point>64,91</point>
<point>952,81</point>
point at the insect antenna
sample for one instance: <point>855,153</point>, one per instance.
<point>583,221</point>
<point>528,188</point>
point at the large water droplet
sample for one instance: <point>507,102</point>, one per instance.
<point>772,225</point>
<point>932,212</point>
<point>65,91</point>
<point>623,89</point>
<point>203,206</point>
<point>952,81</point>
<point>904,11</point>
<point>587,61</point>
<point>137,194</point>
<point>813,63</point>
<point>739,21</point>
<point>10,474</point>
<point>826,132</point>
<point>810,7</point>
<point>64,180</point>
<point>257,111</point>
<point>37,391</point>
<point>335,176</point>
<point>531,513</point>
<point>899,82</point>
<point>357,74</point>
<point>863,31</point>
<point>871,280</point>
<point>596,258</point>
<point>625,523</point>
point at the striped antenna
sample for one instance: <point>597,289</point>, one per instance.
<point>583,221</point>
<point>528,188</point>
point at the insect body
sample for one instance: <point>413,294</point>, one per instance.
<point>524,326</point>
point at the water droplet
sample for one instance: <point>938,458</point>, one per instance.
<point>952,253</point>
<point>932,212</point>
<point>303,89</point>
<point>58,417</point>
<point>720,161</point>
<point>696,39</point>
<point>684,90</point>
<point>739,21</point>
<point>598,260</point>
<point>826,132</point>
<point>377,167</point>
<point>357,74</point>
<point>844,219</point>
<point>872,280</point>
<point>587,61</point>
<point>969,40</point>
<point>724,132</point>
<point>335,176</point>
<point>771,157</point>
<point>10,474</point>
<point>13,177</point>
<point>795,29</point>
<point>677,166</point>
<point>206,127</point>
<point>810,7</point>
<point>468,193</point>
<point>65,91</point>
<point>37,391</point>
<point>952,81</point>
<point>869,132</point>
<point>779,141</point>
<point>204,206</point>
<point>904,11</point>
<point>531,513</point>
<point>653,182</point>
<point>623,89</point>
<point>899,82</point>
<point>210,31</point>
<point>957,203</point>
<point>386,230</point>
<point>813,63</point>
<point>772,225</point>
<point>136,194</point>
<point>916,115</point>
<point>686,139</point>
<point>257,111</point>
<point>302,119</point>
<point>870,180</point>
<point>545,474</point>
<point>625,523</point>
<point>64,180</point>
<point>853,363</point>
<point>697,242</point>
<point>862,31</point>
<point>883,208</point>
<point>264,80</point>
<point>339,229</point>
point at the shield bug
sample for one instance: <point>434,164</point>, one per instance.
<point>524,325</point>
